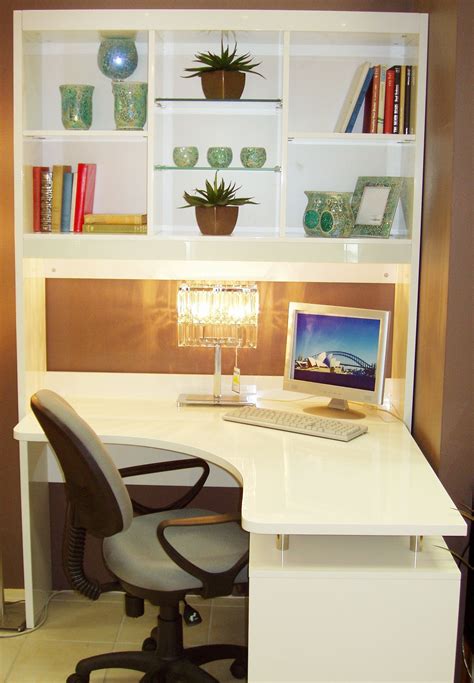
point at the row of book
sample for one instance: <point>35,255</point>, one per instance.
<point>61,197</point>
<point>63,201</point>
<point>388,99</point>
<point>115,223</point>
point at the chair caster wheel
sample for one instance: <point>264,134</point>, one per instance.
<point>238,669</point>
<point>77,678</point>
<point>149,645</point>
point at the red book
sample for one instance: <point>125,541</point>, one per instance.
<point>389,92</point>
<point>37,196</point>
<point>84,193</point>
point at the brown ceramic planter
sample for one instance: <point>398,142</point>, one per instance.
<point>223,85</point>
<point>216,220</point>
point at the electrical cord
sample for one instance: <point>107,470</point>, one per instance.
<point>43,618</point>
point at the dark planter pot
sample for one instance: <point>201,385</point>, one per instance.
<point>223,85</point>
<point>216,220</point>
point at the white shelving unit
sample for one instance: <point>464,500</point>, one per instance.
<point>308,60</point>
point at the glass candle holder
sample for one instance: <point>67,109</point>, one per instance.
<point>76,106</point>
<point>130,103</point>
<point>185,157</point>
<point>219,157</point>
<point>253,157</point>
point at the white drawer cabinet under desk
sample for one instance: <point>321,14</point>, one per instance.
<point>348,608</point>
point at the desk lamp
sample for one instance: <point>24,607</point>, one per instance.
<point>217,315</point>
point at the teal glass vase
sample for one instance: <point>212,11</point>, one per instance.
<point>76,106</point>
<point>117,57</point>
<point>130,104</point>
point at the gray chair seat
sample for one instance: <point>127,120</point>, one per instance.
<point>136,557</point>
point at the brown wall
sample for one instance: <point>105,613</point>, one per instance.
<point>443,424</point>
<point>133,326</point>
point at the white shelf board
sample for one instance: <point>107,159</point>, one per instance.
<point>349,138</point>
<point>209,248</point>
<point>86,134</point>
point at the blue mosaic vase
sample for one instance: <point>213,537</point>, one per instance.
<point>117,57</point>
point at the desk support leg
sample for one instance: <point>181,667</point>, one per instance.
<point>35,528</point>
<point>416,544</point>
<point>282,541</point>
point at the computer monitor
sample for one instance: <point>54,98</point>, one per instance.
<point>337,352</point>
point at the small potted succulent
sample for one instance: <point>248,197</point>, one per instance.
<point>223,75</point>
<point>216,207</point>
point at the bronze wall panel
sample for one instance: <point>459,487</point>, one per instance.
<point>130,325</point>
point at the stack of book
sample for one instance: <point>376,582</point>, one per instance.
<point>61,198</point>
<point>388,99</point>
<point>115,223</point>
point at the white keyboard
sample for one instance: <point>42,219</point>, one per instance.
<point>300,423</point>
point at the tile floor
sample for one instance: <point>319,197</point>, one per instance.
<point>78,628</point>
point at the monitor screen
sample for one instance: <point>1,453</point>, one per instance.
<point>336,351</point>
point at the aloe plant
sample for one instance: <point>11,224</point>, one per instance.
<point>216,194</point>
<point>225,61</point>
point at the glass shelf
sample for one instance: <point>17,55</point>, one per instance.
<point>163,167</point>
<point>159,100</point>
<point>173,104</point>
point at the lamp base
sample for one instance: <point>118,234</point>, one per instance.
<point>210,400</point>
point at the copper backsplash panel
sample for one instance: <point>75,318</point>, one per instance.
<point>130,325</point>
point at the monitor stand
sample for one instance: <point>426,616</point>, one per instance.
<point>338,409</point>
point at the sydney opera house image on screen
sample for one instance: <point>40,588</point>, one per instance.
<point>336,350</point>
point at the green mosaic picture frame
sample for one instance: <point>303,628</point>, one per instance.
<point>383,217</point>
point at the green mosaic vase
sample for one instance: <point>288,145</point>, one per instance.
<point>76,106</point>
<point>130,104</point>
<point>328,214</point>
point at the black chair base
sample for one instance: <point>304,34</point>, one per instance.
<point>185,668</point>
<point>168,661</point>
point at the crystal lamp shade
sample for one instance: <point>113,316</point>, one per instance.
<point>218,313</point>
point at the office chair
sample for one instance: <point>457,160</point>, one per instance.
<point>160,555</point>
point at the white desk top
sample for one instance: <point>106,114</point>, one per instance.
<point>377,484</point>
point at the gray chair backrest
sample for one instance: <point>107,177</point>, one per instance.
<point>96,493</point>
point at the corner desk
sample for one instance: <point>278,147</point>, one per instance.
<point>349,600</point>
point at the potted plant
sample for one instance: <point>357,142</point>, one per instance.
<point>223,75</point>
<point>216,207</point>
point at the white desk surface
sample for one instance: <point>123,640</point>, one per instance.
<point>377,484</point>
